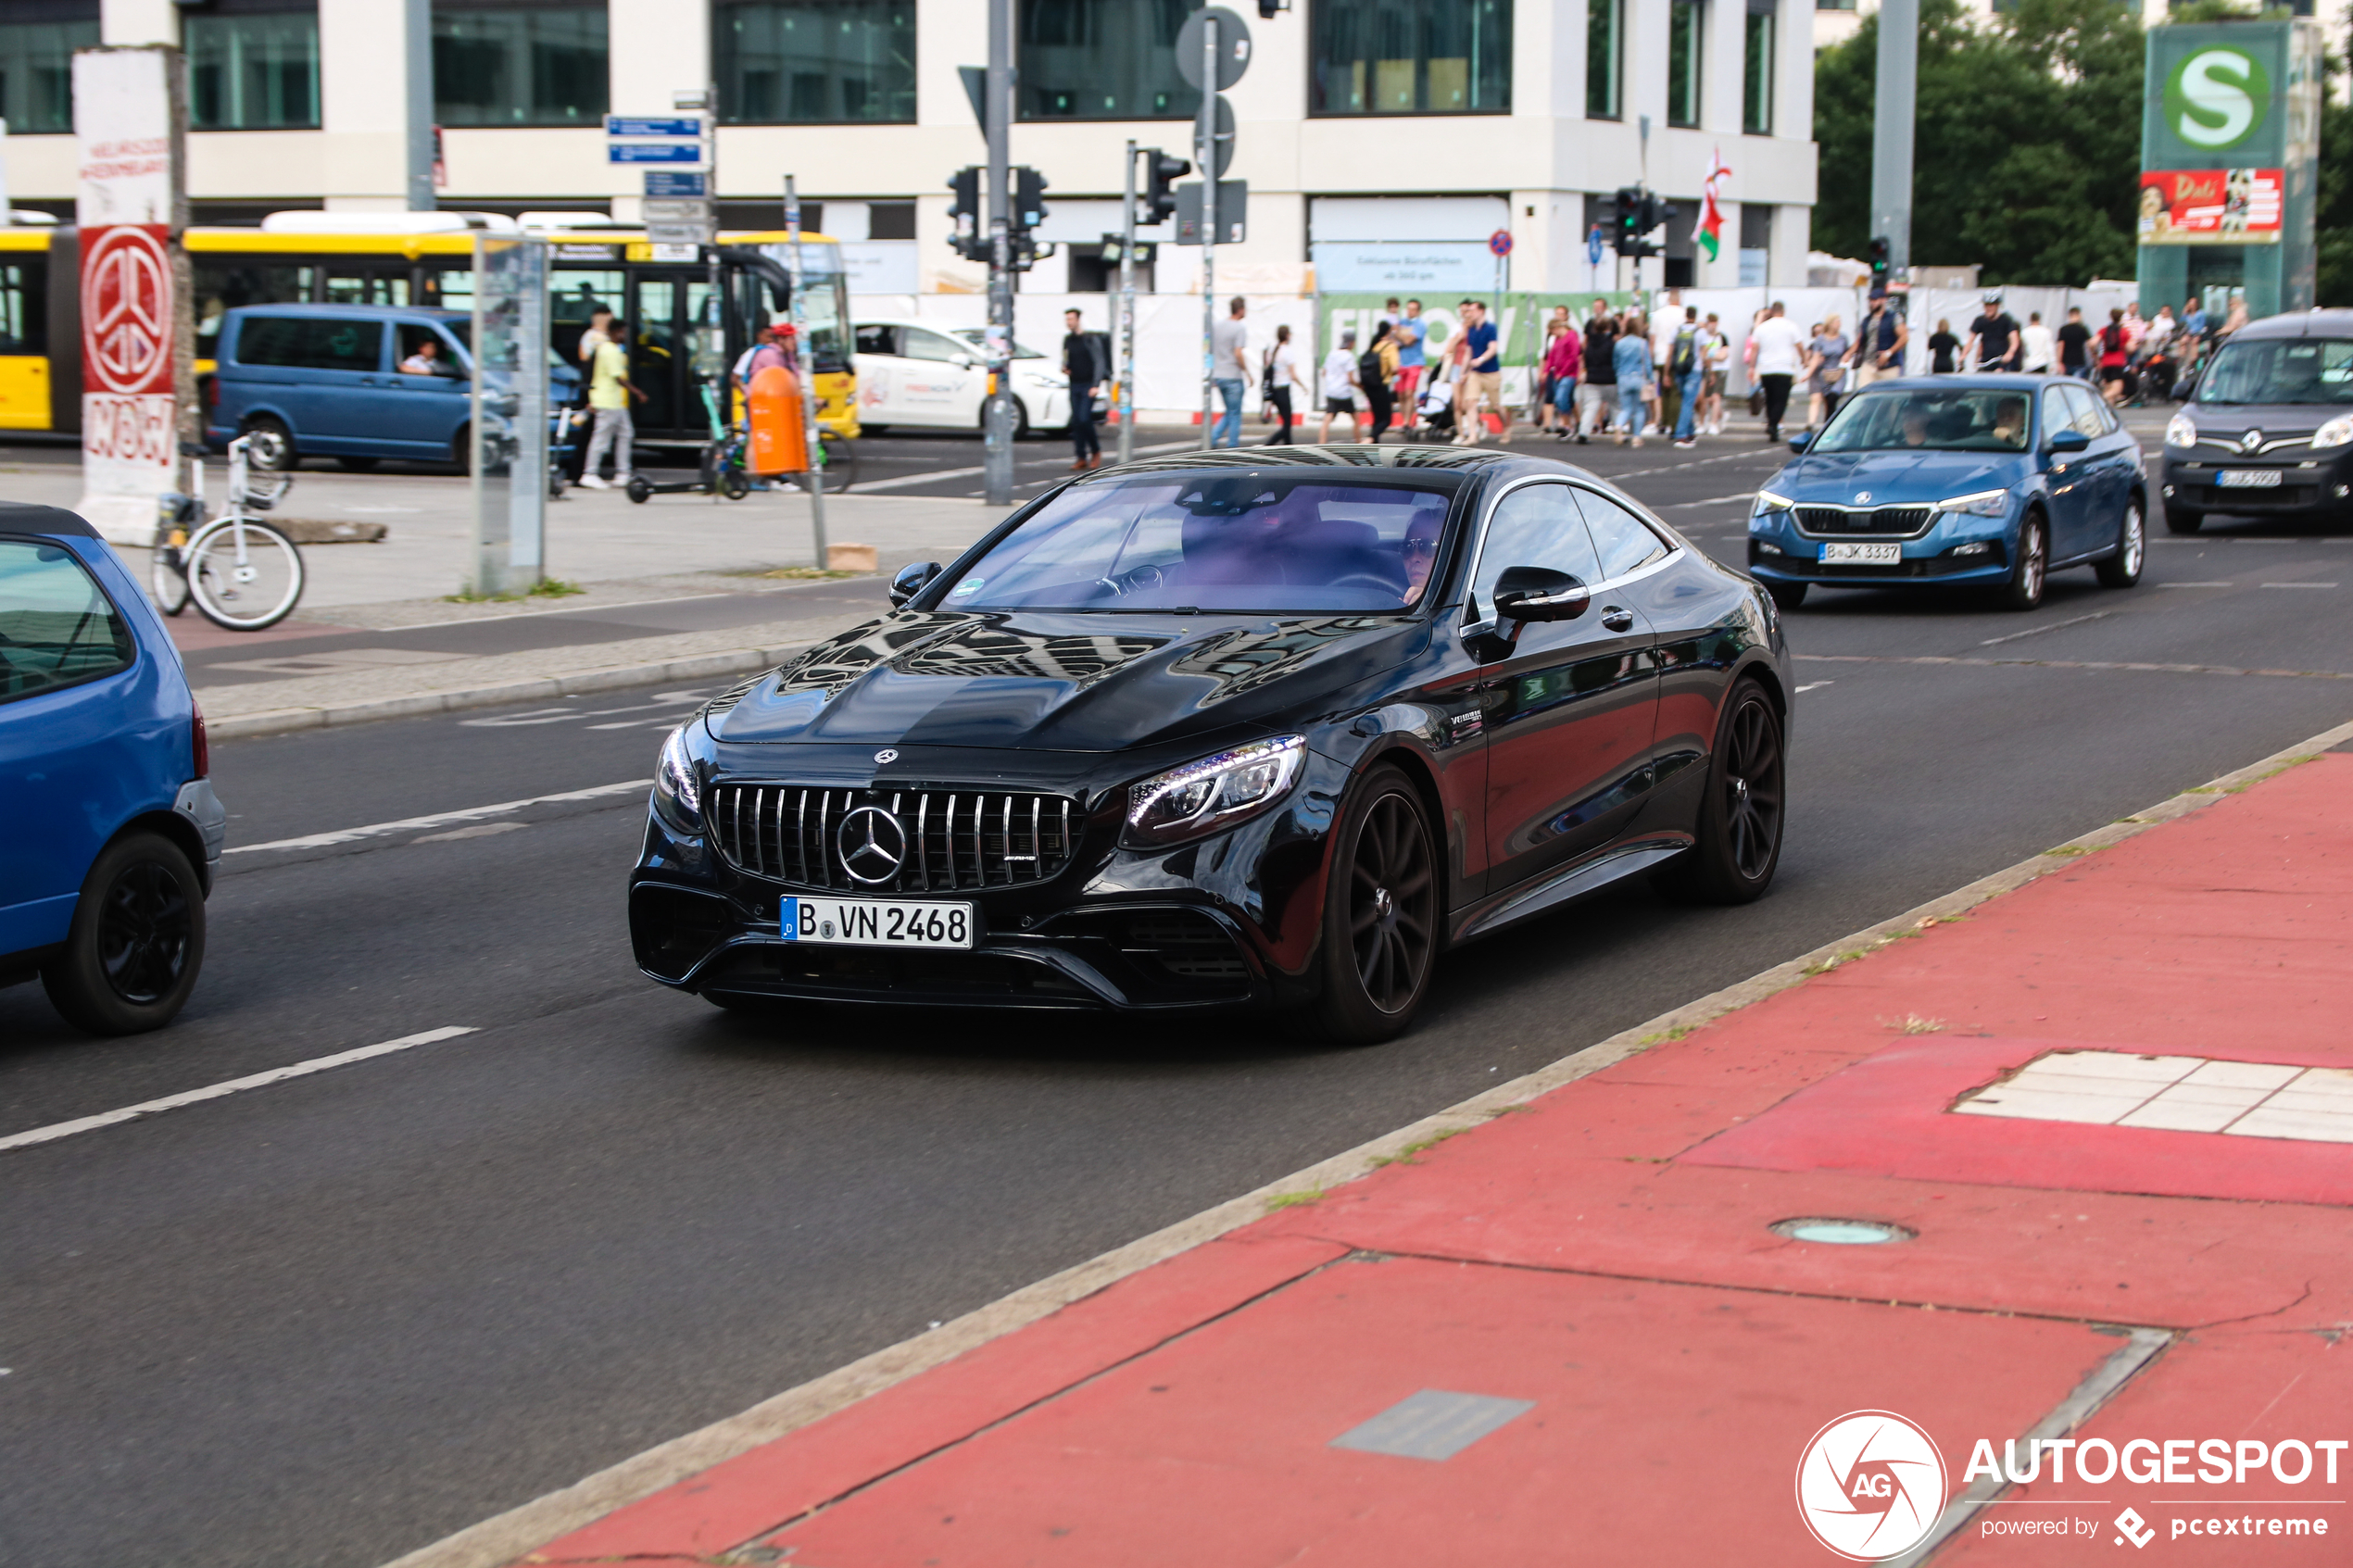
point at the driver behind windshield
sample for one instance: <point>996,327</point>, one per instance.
<point>1914,425</point>
<point>2010,423</point>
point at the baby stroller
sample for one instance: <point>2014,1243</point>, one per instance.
<point>1436,407</point>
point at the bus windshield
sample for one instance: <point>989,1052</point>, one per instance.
<point>824,298</point>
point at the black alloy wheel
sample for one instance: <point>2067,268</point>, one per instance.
<point>2024,590</point>
<point>1381,922</point>
<point>1736,844</point>
<point>133,953</point>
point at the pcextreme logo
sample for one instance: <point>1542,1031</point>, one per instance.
<point>2216,98</point>
<point>1870,1485</point>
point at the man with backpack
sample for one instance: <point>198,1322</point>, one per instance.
<point>1371,375</point>
<point>1683,363</point>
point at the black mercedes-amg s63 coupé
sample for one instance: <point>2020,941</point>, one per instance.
<point>1269,728</point>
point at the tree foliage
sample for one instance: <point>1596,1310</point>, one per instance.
<point>2026,149</point>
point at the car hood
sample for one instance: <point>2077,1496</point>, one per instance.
<point>1062,682</point>
<point>2227,423</point>
<point>1895,479</point>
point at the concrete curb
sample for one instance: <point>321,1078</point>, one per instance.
<point>696,666</point>
<point>507,1536</point>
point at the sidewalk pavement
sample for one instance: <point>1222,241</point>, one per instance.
<point>2102,1103</point>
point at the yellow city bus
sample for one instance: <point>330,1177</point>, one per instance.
<point>665,304</point>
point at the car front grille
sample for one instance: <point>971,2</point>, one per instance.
<point>1885,520</point>
<point>884,841</point>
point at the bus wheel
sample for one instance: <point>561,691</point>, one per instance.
<point>273,444</point>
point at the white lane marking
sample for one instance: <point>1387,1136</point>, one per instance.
<point>438,819</point>
<point>2299,584</point>
<point>937,474</point>
<point>57,1130</point>
<point>2197,584</point>
<point>1815,686</point>
<point>566,714</point>
<point>2037,630</point>
<point>480,830</point>
<point>1711,501</point>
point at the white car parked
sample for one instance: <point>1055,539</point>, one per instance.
<point>923,374</point>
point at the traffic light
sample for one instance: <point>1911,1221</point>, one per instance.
<point>965,237</point>
<point>1160,172</point>
<point>1656,215</point>
<point>1270,9</point>
<point>1627,203</point>
<point>1029,197</point>
<point>1879,265</point>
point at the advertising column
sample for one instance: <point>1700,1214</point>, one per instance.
<point>138,341</point>
<point>2230,151</point>
<point>510,423</point>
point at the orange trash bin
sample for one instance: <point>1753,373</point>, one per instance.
<point>779,444</point>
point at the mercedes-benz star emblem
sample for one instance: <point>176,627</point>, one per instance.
<point>873,845</point>
<point>886,756</point>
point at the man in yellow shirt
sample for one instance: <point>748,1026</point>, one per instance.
<point>609,395</point>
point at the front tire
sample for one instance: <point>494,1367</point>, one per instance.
<point>640,489</point>
<point>1788,596</point>
<point>1380,913</point>
<point>136,943</point>
<point>2181,519</point>
<point>1736,846</point>
<point>2024,590</point>
<point>2123,569</point>
<point>251,594</point>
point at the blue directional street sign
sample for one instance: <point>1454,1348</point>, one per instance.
<point>1593,247</point>
<point>676,182</point>
<point>636,125</point>
<point>653,152</point>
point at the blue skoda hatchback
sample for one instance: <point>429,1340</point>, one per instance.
<point>1984,481</point>
<point>109,830</point>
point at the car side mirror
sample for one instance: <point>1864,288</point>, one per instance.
<point>2068,441</point>
<point>1799,443</point>
<point>964,361</point>
<point>909,581</point>
<point>1537,593</point>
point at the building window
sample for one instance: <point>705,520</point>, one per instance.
<point>36,72</point>
<point>1757,74</point>
<point>253,72</point>
<point>1686,36</point>
<point>1833,4</point>
<point>1605,57</point>
<point>518,65</point>
<point>1411,57</point>
<point>1102,59</point>
<point>815,62</point>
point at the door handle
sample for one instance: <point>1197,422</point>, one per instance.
<point>1617,620</point>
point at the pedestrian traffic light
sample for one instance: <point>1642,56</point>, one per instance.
<point>1879,265</point>
<point>964,234</point>
<point>1160,172</point>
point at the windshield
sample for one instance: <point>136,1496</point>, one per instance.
<point>1980,418</point>
<point>1214,542</point>
<point>978,338</point>
<point>2290,369</point>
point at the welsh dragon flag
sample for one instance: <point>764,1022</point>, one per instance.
<point>1711,217</point>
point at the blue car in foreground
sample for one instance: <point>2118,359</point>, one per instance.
<point>109,830</point>
<point>1983,481</point>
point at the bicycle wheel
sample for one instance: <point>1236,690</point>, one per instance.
<point>165,578</point>
<point>244,584</point>
<point>841,465</point>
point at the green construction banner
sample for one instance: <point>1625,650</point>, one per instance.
<point>1520,316</point>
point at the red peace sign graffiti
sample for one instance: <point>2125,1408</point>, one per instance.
<point>126,310</point>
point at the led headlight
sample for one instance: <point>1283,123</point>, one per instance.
<point>2182,431</point>
<point>1213,794</point>
<point>1770,505</point>
<point>1984,503</point>
<point>2336,432</point>
<point>677,786</point>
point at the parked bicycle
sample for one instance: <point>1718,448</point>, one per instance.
<point>241,572</point>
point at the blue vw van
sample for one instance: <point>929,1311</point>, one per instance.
<point>356,382</point>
